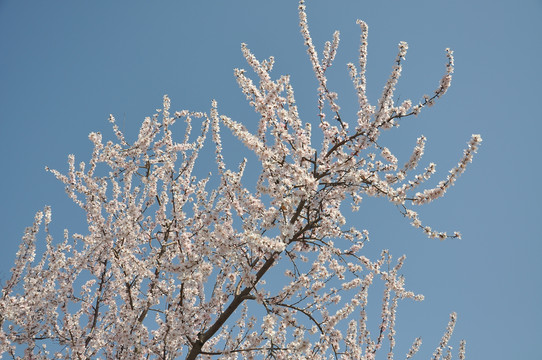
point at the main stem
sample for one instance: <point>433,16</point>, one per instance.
<point>242,296</point>
<point>237,300</point>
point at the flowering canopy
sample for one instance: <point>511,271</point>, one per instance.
<point>171,268</point>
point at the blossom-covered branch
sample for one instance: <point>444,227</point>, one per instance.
<point>175,264</point>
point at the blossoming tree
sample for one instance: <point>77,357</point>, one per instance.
<point>172,267</point>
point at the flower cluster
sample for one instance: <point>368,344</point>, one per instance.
<point>172,268</point>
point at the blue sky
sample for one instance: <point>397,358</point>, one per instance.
<point>66,65</point>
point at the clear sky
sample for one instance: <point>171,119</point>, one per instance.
<point>66,65</point>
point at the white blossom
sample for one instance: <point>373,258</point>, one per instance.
<point>174,265</point>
